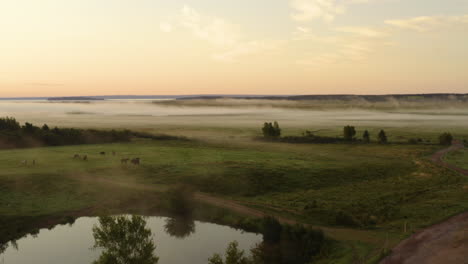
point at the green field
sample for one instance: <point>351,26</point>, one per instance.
<point>360,194</point>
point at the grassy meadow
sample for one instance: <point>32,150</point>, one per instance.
<point>361,194</point>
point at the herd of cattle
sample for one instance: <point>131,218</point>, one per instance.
<point>135,161</point>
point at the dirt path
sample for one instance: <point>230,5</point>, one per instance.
<point>443,243</point>
<point>438,157</point>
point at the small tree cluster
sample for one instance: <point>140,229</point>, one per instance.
<point>446,139</point>
<point>282,244</point>
<point>349,132</point>
<point>271,130</point>
<point>13,135</point>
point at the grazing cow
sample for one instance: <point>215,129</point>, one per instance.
<point>76,156</point>
<point>102,153</point>
<point>136,161</point>
<point>85,157</point>
<point>124,161</point>
<point>24,162</point>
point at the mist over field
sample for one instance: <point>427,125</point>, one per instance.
<point>222,113</point>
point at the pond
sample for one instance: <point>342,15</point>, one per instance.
<point>173,241</point>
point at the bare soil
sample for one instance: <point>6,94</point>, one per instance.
<point>443,243</point>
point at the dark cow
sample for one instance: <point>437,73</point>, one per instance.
<point>85,157</point>
<point>136,161</point>
<point>102,153</point>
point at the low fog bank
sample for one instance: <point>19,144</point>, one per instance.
<point>384,103</point>
<point>246,113</point>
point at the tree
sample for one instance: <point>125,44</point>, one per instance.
<point>9,123</point>
<point>233,256</point>
<point>276,129</point>
<point>180,227</point>
<point>349,132</point>
<point>180,200</point>
<point>271,229</point>
<point>271,130</point>
<point>366,136</point>
<point>45,127</point>
<point>382,137</point>
<point>124,240</point>
<point>446,139</point>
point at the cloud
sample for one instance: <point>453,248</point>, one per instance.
<point>428,23</point>
<point>326,10</point>
<point>242,49</point>
<point>363,31</point>
<point>165,27</point>
<point>215,30</point>
<point>354,47</point>
<point>225,37</point>
<point>307,10</point>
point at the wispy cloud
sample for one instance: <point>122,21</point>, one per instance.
<point>307,10</point>
<point>364,31</point>
<point>326,10</point>
<point>428,23</point>
<point>226,38</point>
<point>355,46</point>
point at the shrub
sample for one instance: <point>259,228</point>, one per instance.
<point>445,139</point>
<point>271,229</point>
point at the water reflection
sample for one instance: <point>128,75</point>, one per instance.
<point>124,240</point>
<point>180,227</point>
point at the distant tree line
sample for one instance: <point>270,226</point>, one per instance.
<point>13,135</point>
<point>272,131</point>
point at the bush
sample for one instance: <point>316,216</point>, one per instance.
<point>445,139</point>
<point>271,229</point>
<point>345,219</point>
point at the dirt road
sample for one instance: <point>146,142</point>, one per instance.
<point>443,243</point>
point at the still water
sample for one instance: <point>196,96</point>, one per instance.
<point>175,241</point>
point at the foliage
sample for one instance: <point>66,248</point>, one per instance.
<point>12,135</point>
<point>445,139</point>
<point>271,130</point>
<point>366,137</point>
<point>382,137</point>
<point>179,227</point>
<point>295,244</point>
<point>9,123</point>
<point>124,240</point>
<point>349,132</point>
<point>232,256</point>
<point>271,229</point>
<point>180,199</point>
<point>299,244</point>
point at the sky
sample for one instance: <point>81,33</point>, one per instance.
<point>156,47</point>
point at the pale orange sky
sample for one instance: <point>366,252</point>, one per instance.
<point>156,47</point>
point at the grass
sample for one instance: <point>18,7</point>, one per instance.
<point>458,158</point>
<point>379,187</point>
